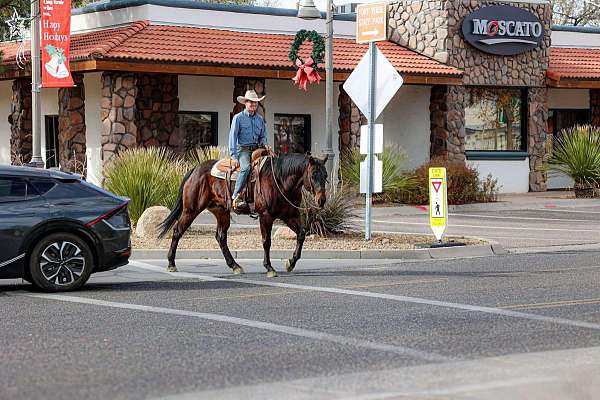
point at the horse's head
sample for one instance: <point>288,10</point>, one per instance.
<point>315,179</point>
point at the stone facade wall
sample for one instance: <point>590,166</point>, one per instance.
<point>595,106</point>
<point>537,134</point>
<point>118,111</point>
<point>447,119</point>
<point>350,119</point>
<point>433,28</point>
<point>20,122</point>
<point>157,104</point>
<point>71,126</point>
<point>240,85</point>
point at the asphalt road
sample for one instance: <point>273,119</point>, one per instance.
<point>505,327</point>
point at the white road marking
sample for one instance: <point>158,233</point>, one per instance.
<point>403,299</point>
<point>490,227</point>
<point>288,330</point>
<point>569,211</point>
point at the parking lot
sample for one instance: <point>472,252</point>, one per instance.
<point>515,326</point>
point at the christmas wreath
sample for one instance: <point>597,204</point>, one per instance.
<point>307,70</point>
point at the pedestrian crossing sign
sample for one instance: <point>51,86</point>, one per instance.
<point>438,201</point>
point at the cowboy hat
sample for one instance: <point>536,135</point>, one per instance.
<point>250,95</point>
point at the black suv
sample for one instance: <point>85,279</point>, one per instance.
<point>56,229</point>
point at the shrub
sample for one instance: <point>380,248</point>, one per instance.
<point>147,176</point>
<point>577,154</point>
<point>201,155</point>
<point>464,185</point>
<point>395,183</point>
<point>336,216</point>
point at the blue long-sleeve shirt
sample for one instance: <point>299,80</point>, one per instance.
<point>246,130</point>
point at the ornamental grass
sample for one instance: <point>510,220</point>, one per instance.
<point>147,176</point>
<point>577,154</point>
<point>395,182</point>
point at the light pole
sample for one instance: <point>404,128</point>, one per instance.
<point>36,77</point>
<point>307,10</point>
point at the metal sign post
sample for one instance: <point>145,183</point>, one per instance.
<point>371,125</point>
<point>36,84</point>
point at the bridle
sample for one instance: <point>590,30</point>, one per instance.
<point>281,191</point>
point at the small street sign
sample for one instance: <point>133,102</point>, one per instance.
<point>377,175</point>
<point>438,201</point>
<point>371,22</point>
<point>377,139</point>
<point>388,81</point>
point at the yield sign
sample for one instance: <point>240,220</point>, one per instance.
<point>388,81</point>
<point>436,185</point>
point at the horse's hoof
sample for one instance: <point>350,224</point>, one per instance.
<point>288,266</point>
<point>171,268</point>
<point>272,274</point>
<point>238,271</point>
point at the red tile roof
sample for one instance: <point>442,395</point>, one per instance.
<point>165,43</point>
<point>574,63</point>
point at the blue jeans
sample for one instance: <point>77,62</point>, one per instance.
<point>244,158</point>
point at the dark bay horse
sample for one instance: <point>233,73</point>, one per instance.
<point>278,195</point>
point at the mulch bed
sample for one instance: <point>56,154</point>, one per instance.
<point>251,240</point>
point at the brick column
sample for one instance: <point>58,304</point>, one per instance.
<point>595,106</point>
<point>447,122</point>
<point>71,126</point>
<point>157,104</point>
<point>350,119</point>
<point>537,132</point>
<point>240,85</point>
<point>20,122</point>
<point>119,130</point>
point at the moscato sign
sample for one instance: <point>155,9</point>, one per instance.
<point>503,30</point>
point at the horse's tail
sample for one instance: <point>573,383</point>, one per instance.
<point>177,210</point>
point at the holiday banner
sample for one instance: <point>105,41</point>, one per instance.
<point>56,37</point>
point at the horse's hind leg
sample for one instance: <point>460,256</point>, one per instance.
<point>266,226</point>
<point>223,217</point>
<point>182,224</point>
<point>295,225</point>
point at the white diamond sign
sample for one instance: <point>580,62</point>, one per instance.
<point>388,82</point>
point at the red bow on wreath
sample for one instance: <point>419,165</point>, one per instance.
<point>306,73</point>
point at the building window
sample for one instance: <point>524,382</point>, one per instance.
<point>495,120</point>
<point>292,133</point>
<point>198,129</point>
<point>51,125</point>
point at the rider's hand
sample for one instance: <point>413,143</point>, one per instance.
<point>234,163</point>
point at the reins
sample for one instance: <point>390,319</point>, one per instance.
<point>281,191</point>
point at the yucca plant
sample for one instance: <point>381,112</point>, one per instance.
<point>147,176</point>
<point>394,182</point>
<point>202,154</point>
<point>336,216</point>
<point>577,154</point>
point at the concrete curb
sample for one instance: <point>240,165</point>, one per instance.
<point>417,254</point>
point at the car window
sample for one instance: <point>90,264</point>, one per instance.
<point>70,191</point>
<point>42,186</point>
<point>12,189</point>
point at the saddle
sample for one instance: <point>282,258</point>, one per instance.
<point>229,170</point>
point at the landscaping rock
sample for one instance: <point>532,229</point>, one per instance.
<point>284,233</point>
<point>147,226</point>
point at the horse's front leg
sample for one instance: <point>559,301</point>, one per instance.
<point>266,226</point>
<point>295,224</point>
<point>223,217</point>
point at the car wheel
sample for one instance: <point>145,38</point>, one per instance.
<point>60,262</point>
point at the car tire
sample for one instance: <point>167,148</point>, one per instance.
<point>60,262</point>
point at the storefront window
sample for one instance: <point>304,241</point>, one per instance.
<point>494,120</point>
<point>198,129</point>
<point>292,133</point>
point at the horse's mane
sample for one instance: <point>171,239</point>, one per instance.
<point>289,165</point>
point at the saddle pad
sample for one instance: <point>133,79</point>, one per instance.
<point>220,168</point>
